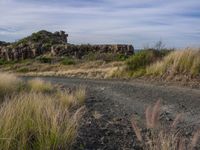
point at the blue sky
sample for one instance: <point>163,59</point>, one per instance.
<point>137,22</point>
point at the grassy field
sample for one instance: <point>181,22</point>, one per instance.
<point>167,65</point>
<point>37,115</point>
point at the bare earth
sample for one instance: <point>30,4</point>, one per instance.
<point>111,103</point>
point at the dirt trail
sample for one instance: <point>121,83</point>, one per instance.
<point>110,105</point>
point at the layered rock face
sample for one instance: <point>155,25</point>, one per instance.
<point>2,43</point>
<point>80,51</point>
<point>44,42</point>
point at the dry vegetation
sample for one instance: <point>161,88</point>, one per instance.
<point>186,62</point>
<point>85,69</point>
<point>162,137</point>
<point>9,84</point>
<point>36,118</point>
<point>180,65</point>
<point>38,85</point>
<point>168,65</point>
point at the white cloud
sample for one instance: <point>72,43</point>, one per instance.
<point>127,21</point>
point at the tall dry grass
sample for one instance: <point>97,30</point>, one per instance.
<point>32,118</point>
<point>37,121</point>
<point>180,62</point>
<point>38,85</point>
<point>158,137</point>
<point>76,98</point>
<point>9,83</point>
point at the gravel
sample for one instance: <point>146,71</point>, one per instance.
<point>111,103</point>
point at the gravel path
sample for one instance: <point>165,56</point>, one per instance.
<point>110,105</point>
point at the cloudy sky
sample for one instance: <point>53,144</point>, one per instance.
<point>137,22</point>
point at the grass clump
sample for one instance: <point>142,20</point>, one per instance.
<point>37,121</point>
<point>80,95</point>
<point>185,62</point>
<point>9,83</point>
<point>163,137</point>
<point>39,85</point>
<point>72,99</point>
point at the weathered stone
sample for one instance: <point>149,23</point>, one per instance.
<point>44,42</point>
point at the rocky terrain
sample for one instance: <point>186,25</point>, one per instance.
<point>55,44</point>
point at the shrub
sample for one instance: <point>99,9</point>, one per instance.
<point>2,62</point>
<point>45,59</point>
<point>178,62</point>
<point>143,59</point>
<point>37,121</point>
<point>157,137</point>
<point>67,61</point>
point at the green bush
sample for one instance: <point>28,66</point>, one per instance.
<point>45,59</point>
<point>144,58</point>
<point>23,70</point>
<point>67,61</point>
<point>2,62</point>
<point>107,57</point>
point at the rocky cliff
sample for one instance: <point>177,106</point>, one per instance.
<point>56,44</point>
<point>2,43</point>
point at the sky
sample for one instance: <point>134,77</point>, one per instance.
<point>138,22</point>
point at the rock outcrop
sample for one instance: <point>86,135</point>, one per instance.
<point>79,51</point>
<point>2,43</point>
<point>55,44</point>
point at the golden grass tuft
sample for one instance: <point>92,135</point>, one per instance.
<point>80,95</point>
<point>180,62</point>
<point>37,121</point>
<point>69,100</point>
<point>157,137</point>
<point>38,85</point>
<point>36,118</point>
<point>9,83</point>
